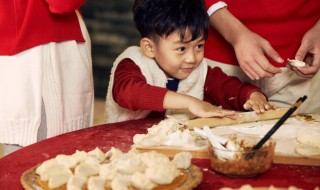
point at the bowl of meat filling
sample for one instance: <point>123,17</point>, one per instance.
<point>233,155</point>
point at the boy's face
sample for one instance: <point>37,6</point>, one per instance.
<point>178,58</point>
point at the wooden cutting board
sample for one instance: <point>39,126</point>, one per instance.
<point>203,154</point>
<point>278,158</point>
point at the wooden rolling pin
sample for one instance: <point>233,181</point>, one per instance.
<point>243,117</point>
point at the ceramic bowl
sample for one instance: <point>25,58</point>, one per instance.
<point>242,163</point>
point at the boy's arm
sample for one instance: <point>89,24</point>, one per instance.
<point>200,108</point>
<point>131,91</point>
<point>227,91</point>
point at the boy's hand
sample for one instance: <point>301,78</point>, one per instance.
<point>204,109</point>
<point>176,101</point>
<point>258,103</point>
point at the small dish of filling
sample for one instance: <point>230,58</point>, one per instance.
<point>231,158</point>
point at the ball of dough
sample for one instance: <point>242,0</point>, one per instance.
<point>307,150</point>
<point>309,136</point>
<point>296,63</point>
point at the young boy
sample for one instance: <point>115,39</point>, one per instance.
<point>168,70</point>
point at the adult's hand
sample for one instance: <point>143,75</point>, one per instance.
<point>251,49</point>
<point>309,52</point>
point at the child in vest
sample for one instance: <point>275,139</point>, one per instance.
<point>168,71</point>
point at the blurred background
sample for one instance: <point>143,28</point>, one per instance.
<point>112,30</point>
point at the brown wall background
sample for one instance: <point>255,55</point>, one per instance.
<point>112,30</point>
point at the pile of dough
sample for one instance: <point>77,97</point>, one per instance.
<point>168,132</point>
<point>309,139</point>
<point>140,170</point>
<point>307,150</point>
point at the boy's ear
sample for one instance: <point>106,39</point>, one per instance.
<point>147,47</point>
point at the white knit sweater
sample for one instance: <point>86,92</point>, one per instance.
<point>193,85</point>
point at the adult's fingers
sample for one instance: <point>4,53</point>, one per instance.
<point>259,67</point>
<point>272,53</point>
<point>307,72</point>
<point>256,71</point>
<point>312,67</point>
<point>302,52</point>
<point>299,72</point>
<point>249,71</point>
<point>267,67</point>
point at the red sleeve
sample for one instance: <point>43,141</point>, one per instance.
<point>64,7</point>
<point>227,91</point>
<point>130,89</point>
<point>209,3</point>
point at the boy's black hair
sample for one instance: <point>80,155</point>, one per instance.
<point>160,18</point>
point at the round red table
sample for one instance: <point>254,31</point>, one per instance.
<point>120,135</point>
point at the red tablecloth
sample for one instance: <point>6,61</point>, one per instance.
<point>120,135</point>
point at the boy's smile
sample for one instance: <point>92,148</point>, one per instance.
<point>178,58</point>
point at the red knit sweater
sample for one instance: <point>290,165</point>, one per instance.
<point>28,23</point>
<point>283,23</point>
<point>130,89</point>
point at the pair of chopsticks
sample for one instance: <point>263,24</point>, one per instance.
<point>278,124</point>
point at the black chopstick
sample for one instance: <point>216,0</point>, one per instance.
<point>276,126</point>
<point>280,122</point>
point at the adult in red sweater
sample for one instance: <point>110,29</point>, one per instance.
<point>258,36</point>
<point>171,52</point>
<point>45,71</point>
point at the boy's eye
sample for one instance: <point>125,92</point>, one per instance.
<point>181,49</point>
<point>200,46</point>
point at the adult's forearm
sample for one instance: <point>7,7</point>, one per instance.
<point>227,25</point>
